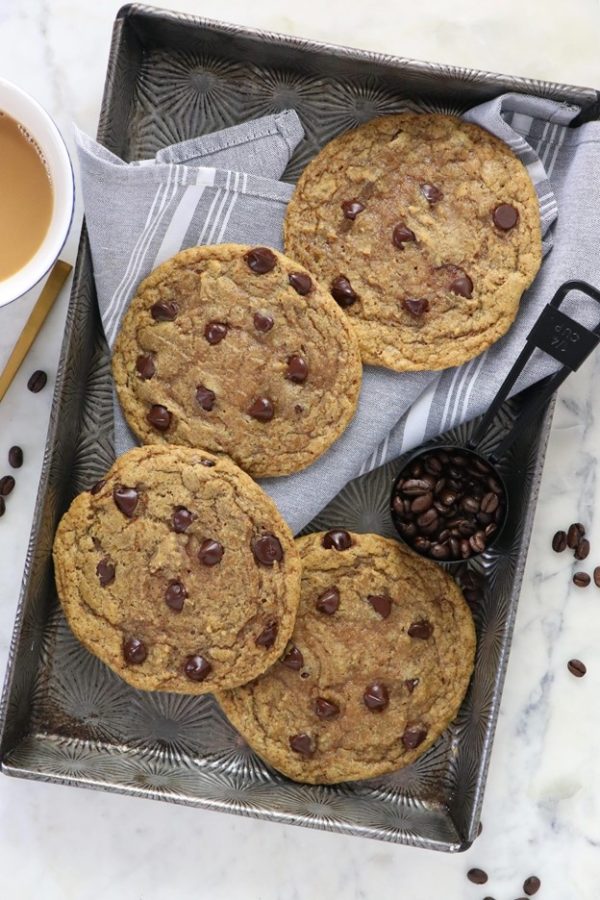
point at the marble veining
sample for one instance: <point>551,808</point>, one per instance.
<point>541,813</point>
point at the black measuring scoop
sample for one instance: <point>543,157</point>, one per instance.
<point>450,503</point>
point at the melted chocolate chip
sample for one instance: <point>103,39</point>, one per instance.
<point>422,629</point>
<point>210,552</point>
<point>301,282</point>
<point>175,595</point>
<point>261,409</point>
<point>338,539</point>
<point>401,235</point>
<point>214,332</point>
<point>263,322</point>
<point>410,684</point>
<point>293,659</point>
<point>326,709</point>
<point>381,604</point>
<point>182,519</point>
<point>267,549</point>
<point>351,208</point>
<point>159,417</point>
<point>105,570</point>
<point>328,601</point>
<point>205,397</point>
<point>505,216</point>
<point>260,260</point>
<point>126,499</point>
<point>96,488</point>
<point>197,668</point>
<point>376,696</point>
<point>297,369</point>
<point>431,193</point>
<point>145,366</point>
<point>462,285</point>
<point>342,291</point>
<point>134,650</point>
<point>416,306</point>
<point>302,744</point>
<point>413,736</point>
<point>164,311</point>
<point>268,636</point>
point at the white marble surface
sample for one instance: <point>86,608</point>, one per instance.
<point>542,809</point>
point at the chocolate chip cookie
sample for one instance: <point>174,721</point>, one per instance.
<point>238,350</point>
<point>426,231</point>
<point>376,669</point>
<point>177,571</point>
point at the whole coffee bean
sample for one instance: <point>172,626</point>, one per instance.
<point>582,549</point>
<point>421,503</point>
<point>490,529</point>
<point>37,381</point>
<point>433,465</point>
<point>398,504</point>
<point>454,545</point>
<point>490,502</point>
<point>581,579</point>
<point>477,542</point>
<point>7,483</point>
<point>465,549</point>
<point>409,529</point>
<point>422,544</point>
<point>576,668</point>
<point>470,504</point>
<point>439,486</point>
<point>531,885</point>
<point>428,518</point>
<point>15,457</point>
<point>448,497</point>
<point>575,533</point>
<point>477,876</point>
<point>2,506</point>
<point>412,487</point>
<point>416,469</point>
<point>440,551</point>
<point>597,576</point>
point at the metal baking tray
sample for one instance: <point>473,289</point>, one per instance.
<point>65,717</point>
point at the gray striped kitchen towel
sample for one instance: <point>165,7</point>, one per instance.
<point>223,187</point>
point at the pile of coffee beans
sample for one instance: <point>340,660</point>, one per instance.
<point>448,504</point>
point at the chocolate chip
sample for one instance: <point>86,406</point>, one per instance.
<point>145,367</point>
<point>381,604</point>
<point>477,876</point>
<point>210,552</point>
<point>328,601</point>
<point>96,488</point>
<point>301,282</point>
<point>126,499</point>
<point>416,306</point>
<point>268,636</point>
<point>342,291</point>
<point>422,630</point>
<point>261,409</point>
<point>597,576</point>
<point>352,208</point>
<point>164,311</point>
<point>293,659</point>
<point>338,539</point>
<point>267,549</point>
<point>134,650</point>
<point>505,216</point>
<point>581,579</point>
<point>175,595</point>
<point>410,684</point>
<point>297,369</point>
<point>462,285</point>
<point>326,709</point>
<point>7,483</point>
<point>197,668</point>
<point>531,885</point>
<point>401,235</point>
<point>582,549</point>
<point>577,668</point>
<point>105,570</point>
<point>205,397</point>
<point>376,696</point>
<point>214,332</point>
<point>159,417</point>
<point>302,743</point>
<point>209,463</point>
<point>15,457</point>
<point>37,381</point>
<point>263,322</point>
<point>431,193</point>
<point>413,736</point>
<point>260,260</point>
<point>182,519</point>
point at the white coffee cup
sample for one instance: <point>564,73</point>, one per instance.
<point>24,109</point>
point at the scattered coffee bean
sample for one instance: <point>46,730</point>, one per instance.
<point>477,876</point>
<point>7,483</point>
<point>2,506</point>
<point>15,457</point>
<point>597,576</point>
<point>582,549</point>
<point>37,381</point>
<point>581,579</point>
<point>577,668</point>
<point>575,533</point>
<point>531,885</point>
<point>559,541</point>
